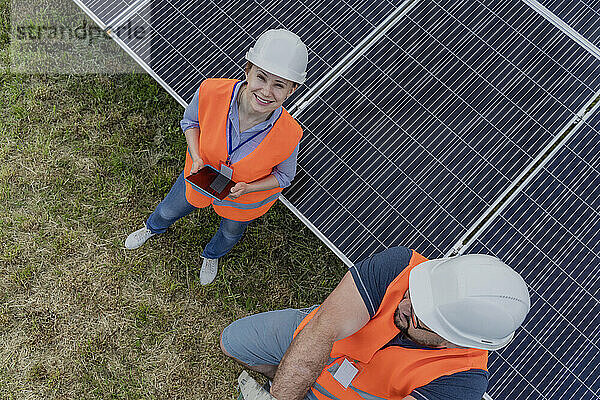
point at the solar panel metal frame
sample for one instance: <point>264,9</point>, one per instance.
<point>579,14</point>
<point>562,25</point>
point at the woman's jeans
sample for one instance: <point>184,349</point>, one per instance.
<point>175,206</point>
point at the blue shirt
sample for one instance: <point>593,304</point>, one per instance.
<point>372,277</point>
<point>284,172</point>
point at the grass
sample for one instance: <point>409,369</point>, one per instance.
<point>84,160</point>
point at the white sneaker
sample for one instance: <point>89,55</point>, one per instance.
<point>138,238</point>
<point>209,269</point>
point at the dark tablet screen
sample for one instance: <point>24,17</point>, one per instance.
<point>211,182</point>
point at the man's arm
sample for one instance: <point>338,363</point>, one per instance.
<point>342,314</point>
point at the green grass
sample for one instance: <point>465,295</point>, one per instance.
<point>84,160</point>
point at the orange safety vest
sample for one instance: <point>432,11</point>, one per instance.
<point>213,109</point>
<point>394,372</point>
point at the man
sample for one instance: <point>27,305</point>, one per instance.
<point>397,326</point>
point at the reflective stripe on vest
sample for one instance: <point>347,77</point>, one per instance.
<point>323,392</point>
<point>363,395</point>
<point>381,375</point>
<point>243,206</point>
<point>213,109</point>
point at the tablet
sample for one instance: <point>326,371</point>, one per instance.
<point>211,182</point>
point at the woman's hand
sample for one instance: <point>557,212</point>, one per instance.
<point>196,165</point>
<point>239,189</point>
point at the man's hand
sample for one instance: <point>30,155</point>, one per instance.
<point>342,314</point>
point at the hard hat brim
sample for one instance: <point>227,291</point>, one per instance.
<point>275,70</point>
<point>421,294</point>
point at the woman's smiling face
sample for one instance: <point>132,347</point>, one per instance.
<point>265,92</point>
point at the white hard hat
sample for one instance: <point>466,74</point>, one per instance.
<point>281,53</point>
<point>473,301</point>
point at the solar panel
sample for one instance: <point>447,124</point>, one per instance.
<point>550,233</point>
<point>188,41</point>
<point>431,125</point>
<point>582,15</point>
<point>105,11</point>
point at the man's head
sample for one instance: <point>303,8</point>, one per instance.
<point>413,328</point>
<point>472,301</point>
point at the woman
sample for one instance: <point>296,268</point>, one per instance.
<point>239,126</point>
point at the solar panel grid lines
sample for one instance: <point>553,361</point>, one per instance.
<point>335,16</point>
<point>347,239</point>
<point>354,149</point>
<point>497,207</point>
<point>549,377</point>
<point>550,371</point>
<point>179,67</point>
<point>543,306</point>
<point>323,238</point>
<point>360,179</point>
<point>367,140</point>
<point>81,4</point>
<point>356,245</point>
<point>169,56</point>
<point>211,23</point>
<point>191,71</point>
<point>455,118</point>
<point>559,211</point>
<point>523,356</point>
<point>393,18</point>
<point>255,23</point>
<point>323,206</point>
<point>423,147</point>
<point>387,100</point>
<point>548,45</point>
<point>577,303</point>
<point>122,17</point>
<point>520,87</point>
<point>522,388</point>
<point>556,15</point>
<point>298,20</point>
<point>590,152</point>
<point>580,17</point>
<point>576,220</point>
<point>107,10</point>
<point>143,64</point>
<point>375,238</point>
<point>578,181</point>
<point>214,25</point>
<point>534,308</point>
<point>532,228</point>
<point>529,352</point>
